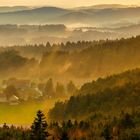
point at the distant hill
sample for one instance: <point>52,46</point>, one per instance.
<point>104,6</point>
<point>101,14</point>
<point>4,9</point>
<point>37,15</point>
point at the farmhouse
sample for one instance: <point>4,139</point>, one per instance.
<point>18,83</point>
<point>13,100</point>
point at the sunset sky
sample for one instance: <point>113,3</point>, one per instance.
<point>66,3</point>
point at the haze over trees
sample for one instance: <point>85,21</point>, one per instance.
<point>119,91</point>
<point>76,70</point>
<point>13,34</point>
<point>65,60</point>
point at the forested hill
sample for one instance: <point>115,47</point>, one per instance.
<point>93,59</point>
<point>118,92</point>
<point>12,61</point>
<point>110,82</point>
<point>83,59</point>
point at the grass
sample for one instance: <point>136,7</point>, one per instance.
<point>24,114</point>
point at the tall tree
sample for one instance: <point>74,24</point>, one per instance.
<point>49,89</point>
<point>64,135</point>
<point>106,132</point>
<point>39,127</point>
<point>71,88</point>
<point>60,90</point>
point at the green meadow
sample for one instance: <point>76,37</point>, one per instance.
<point>23,114</point>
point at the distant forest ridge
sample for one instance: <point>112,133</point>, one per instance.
<point>83,59</point>
<point>14,34</point>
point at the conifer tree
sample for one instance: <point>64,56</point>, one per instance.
<point>39,126</point>
<point>64,135</point>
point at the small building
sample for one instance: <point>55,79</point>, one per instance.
<point>13,100</point>
<point>18,83</point>
<point>29,93</point>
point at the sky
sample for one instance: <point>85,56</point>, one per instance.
<point>66,3</point>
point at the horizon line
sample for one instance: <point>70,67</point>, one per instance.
<point>35,6</point>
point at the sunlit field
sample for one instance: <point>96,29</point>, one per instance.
<point>24,114</point>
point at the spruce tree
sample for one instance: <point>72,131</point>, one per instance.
<point>39,126</point>
<point>106,132</point>
<point>64,135</point>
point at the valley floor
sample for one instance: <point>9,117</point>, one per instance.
<point>23,114</point>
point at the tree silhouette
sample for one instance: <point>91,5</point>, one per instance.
<point>49,89</point>
<point>106,132</point>
<point>64,135</point>
<point>71,88</point>
<point>38,128</point>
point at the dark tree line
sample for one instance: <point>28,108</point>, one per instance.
<point>81,59</point>
<point>114,93</point>
<point>125,126</point>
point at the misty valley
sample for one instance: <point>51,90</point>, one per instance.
<point>70,73</point>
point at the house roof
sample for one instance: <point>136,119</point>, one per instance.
<point>13,98</point>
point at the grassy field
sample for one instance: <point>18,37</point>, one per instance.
<point>24,114</point>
